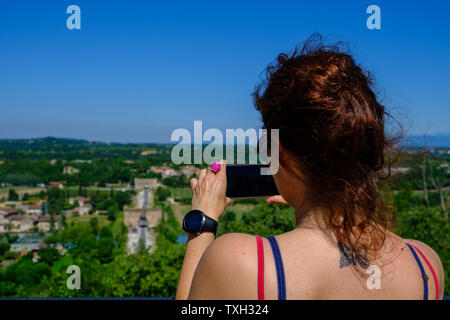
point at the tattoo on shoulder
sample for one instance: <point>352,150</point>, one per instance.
<point>348,257</point>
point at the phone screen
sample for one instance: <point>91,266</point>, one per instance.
<point>246,181</point>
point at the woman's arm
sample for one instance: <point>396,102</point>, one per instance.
<point>196,245</point>
<point>208,195</point>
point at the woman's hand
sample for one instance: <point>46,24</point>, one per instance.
<point>276,200</point>
<point>208,192</point>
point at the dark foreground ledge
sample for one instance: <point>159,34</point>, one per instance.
<point>113,298</point>
<point>166,308</point>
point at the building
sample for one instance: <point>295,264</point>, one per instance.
<point>131,217</point>
<point>82,161</point>
<point>81,200</point>
<point>71,212</point>
<point>84,209</point>
<point>164,171</point>
<point>70,170</point>
<point>80,210</point>
<point>8,212</point>
<point>27,223</point>
<point>141,223</point>
<point>15,222</point>
<point>33,209</point>
<point>141,220</point>
<point>3,227</point>
<point>188,170</point>
<point>56,184</point>
<point>141,238</point>
<point>27,244</point>
<point>149,152</point>
<point>140,183</point>
<point>44,223</point>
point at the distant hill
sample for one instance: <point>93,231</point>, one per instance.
<point>46,142</point>
<point>432,140</point>
<point>53,142</point>
<point>441,140</point>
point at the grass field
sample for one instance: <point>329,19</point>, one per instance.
<point>102,220</point>
<point>180,210</point>
<point>20,190</point>
<point>116,226</point>
<point>181,192</point>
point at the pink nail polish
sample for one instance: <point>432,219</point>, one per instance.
<point>215,167</point>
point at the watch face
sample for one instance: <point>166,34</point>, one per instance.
<point>194,222</point>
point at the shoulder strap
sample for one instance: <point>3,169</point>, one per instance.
<point>259,245</point>
<point>422,270</point>
<point>280,268</point>
<point>436,285</point>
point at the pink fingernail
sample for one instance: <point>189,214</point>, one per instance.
<point>215,167</point>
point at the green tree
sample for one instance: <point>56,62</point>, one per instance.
<point>13,195</point>
<point>264,220</point>
<point>93,222</point>
<point>11,238</point>
<point>122,198</point>
<point>428,225</point>
<point>4,247</point>
<point>161,194</point>
<point>112,213</point>
<point>105,249</point>
<point>48,255</point>
<point>146,275</point>
<point>63,221</point>
<point>106,232</point>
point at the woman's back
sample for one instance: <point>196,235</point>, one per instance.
<point>315,268</point>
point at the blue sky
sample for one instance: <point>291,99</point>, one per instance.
<point>137,70</point>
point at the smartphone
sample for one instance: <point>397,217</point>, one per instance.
<point>246,181</point>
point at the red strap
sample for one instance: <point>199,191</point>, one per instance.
<point>260,247</point>
<point>432,270</point>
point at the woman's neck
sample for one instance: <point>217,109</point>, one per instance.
<point>310,215</point>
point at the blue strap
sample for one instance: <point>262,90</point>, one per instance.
<point>279,267</point>
<point>424,275</point>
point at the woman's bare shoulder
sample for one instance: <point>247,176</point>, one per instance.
<point>429,252</point>
<point>232,245</point>
<point>433,258</point>
<point>227,269</point>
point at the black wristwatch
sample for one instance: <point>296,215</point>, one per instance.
<point>195,222</point>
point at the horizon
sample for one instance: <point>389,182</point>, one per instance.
<point>412,140</point>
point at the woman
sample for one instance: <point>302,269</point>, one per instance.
<point>333,150</point>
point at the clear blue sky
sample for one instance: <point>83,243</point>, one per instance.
<point>139,69</point>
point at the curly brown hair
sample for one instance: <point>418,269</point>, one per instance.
<point>332,129</point>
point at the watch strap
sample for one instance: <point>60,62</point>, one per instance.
<point>210,225</point>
